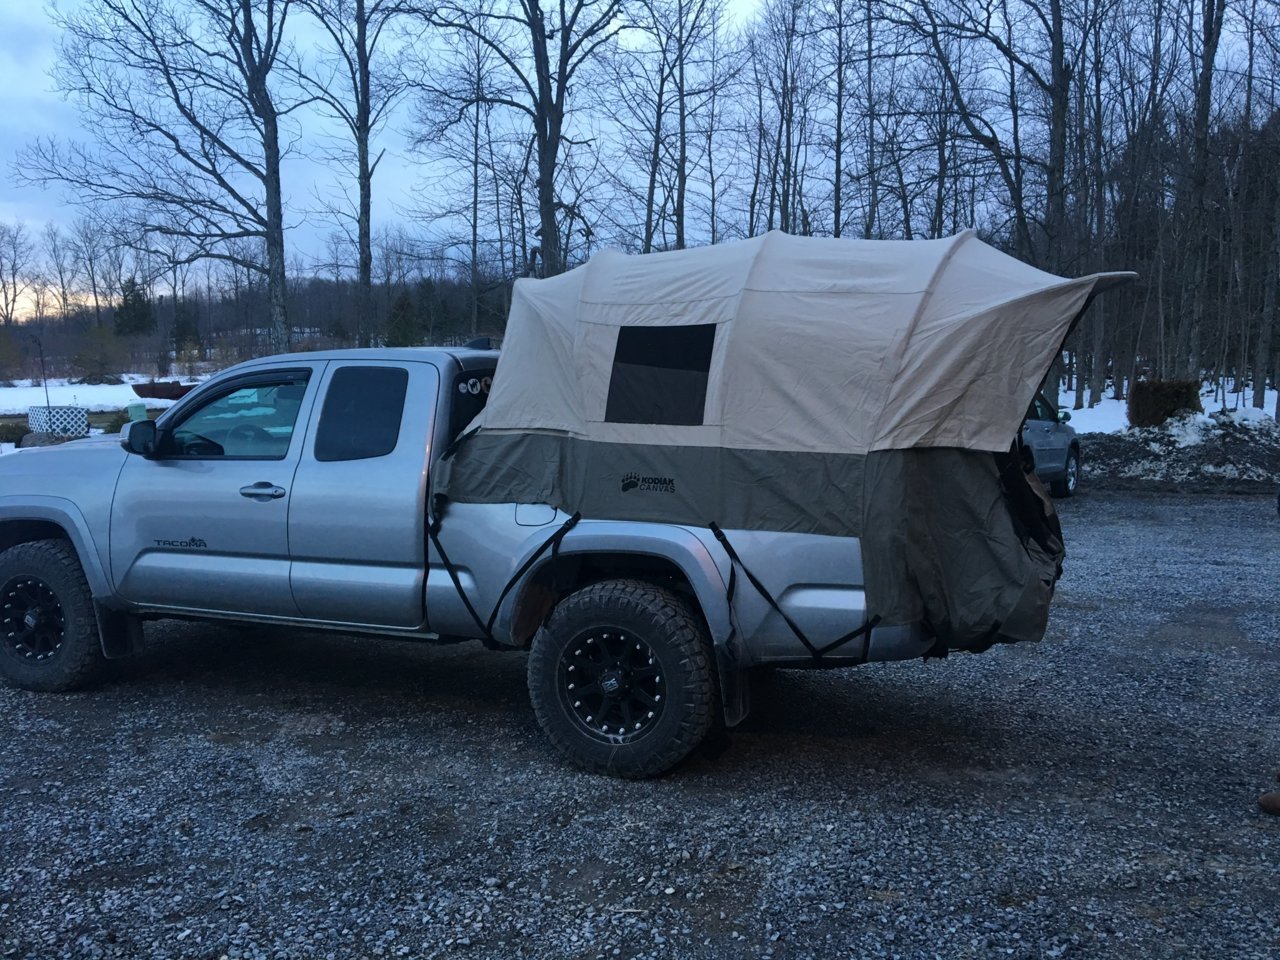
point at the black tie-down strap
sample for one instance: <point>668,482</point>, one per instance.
<point>552,543</point>
<point>735,563</point>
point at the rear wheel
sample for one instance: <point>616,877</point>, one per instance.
<point>621,679</point>
<point>1066,487</point>
<point>48,632</point>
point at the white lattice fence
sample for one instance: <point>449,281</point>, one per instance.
<point>62,421</point>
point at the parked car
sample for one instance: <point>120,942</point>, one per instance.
<point>1053,446</point>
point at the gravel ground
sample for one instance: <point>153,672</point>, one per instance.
<point>293,795</point>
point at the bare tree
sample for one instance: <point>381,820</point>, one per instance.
<point>63,264</point>
<point>358,88</point>
<point>180,95</point>
<point>16,254</point>
<point>542,50</point>
<point>89,245</point>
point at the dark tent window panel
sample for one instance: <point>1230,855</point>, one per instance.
<point>660,375</point>
<point>360,419</point>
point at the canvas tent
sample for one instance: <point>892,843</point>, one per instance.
<point>830,386</point>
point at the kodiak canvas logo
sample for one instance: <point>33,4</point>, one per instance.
<point>633,481</point>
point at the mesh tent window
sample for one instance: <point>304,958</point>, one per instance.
<point>660,375</point>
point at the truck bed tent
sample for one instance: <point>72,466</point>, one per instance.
<point>828,386</point>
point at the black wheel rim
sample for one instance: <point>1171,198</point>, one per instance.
<point>612,686</point>
<point>31,619</point>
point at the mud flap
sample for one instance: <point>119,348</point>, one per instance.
<point>120,633</point>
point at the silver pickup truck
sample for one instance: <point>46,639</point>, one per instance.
<point>295,490</point>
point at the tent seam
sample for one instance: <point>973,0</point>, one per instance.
<point>943,261</point>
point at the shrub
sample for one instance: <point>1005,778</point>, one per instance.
<point>117,422</point>
<point>1152,402</point>
<point>12,432</point>
<point>10,355</point>
<point>99,356</point>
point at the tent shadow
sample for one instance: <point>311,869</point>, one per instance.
<point>854,720</point>
<point>842,720</point>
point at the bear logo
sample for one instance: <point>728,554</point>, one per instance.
<point>630,482</point>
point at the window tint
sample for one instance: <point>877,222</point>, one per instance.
<point>660,375</point>
<point>361,414</point>
<point>254,421</point>
<point>1042,410</point>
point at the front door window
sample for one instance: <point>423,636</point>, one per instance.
<point>251,422</point>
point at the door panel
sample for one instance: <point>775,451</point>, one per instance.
<point>204,525</point>
<point>357,524</point>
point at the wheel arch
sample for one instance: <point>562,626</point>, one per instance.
<point>52,518</point>
<point>669,556</point>
<point>551,581</point>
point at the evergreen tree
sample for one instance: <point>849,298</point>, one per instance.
<point>186,332</point>
<point>134,316</point>
<point>403,329</point>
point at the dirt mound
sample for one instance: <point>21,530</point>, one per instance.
<point>1230,451</point>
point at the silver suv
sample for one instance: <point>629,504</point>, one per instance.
<point>1053,446</point>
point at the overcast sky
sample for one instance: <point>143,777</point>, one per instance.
<point>29,108</point>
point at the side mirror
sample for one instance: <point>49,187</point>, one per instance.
<point>139,437</point>
<point>1064,416</point>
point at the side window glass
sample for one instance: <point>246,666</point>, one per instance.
<point>250,422</point>
<point>1043,410</point>
<point>660,375</point>
<point>361,414</point>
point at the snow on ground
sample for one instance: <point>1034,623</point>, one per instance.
<point>1233,450</point>
<point>1111,416</point>
<point>24,394</point>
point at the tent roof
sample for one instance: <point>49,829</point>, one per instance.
<point>820,345</point>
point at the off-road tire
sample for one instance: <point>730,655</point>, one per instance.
<point>78,660</point>
<point>678,640</point>
<point>1065,487</point>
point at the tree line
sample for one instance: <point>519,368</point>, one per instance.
<point>1078,135</point>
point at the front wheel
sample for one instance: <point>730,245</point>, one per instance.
<point>48,632</point>
<point>1066,487</point>
<point>621,679</point>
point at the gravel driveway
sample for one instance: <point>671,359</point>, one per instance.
<point>296,795</point>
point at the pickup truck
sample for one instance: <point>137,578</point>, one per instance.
<point>295,490</point>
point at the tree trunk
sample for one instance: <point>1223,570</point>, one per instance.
<point>682,133</point>
<point>1267,323</point>
<point>475,222</point>
<point>837,182</point>
<point>655,160</point>
<point>364,174</point>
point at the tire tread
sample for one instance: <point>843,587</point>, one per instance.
<point>673,618</point>
<point>80,661</point>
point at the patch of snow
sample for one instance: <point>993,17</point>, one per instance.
<point>24,394</point>
<point>1187,431</point>
<point>1112,416</point>
<point>7,448</point>
<point>1109,416</point>
<point>1251,417</point>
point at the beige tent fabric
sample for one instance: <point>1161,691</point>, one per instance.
<point>854,388</point>
<point>822,345</point>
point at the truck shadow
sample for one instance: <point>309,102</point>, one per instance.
<point>831,719</point>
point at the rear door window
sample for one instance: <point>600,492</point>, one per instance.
<point>360,419</point>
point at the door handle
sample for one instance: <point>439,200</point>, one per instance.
<point>262,491</point>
